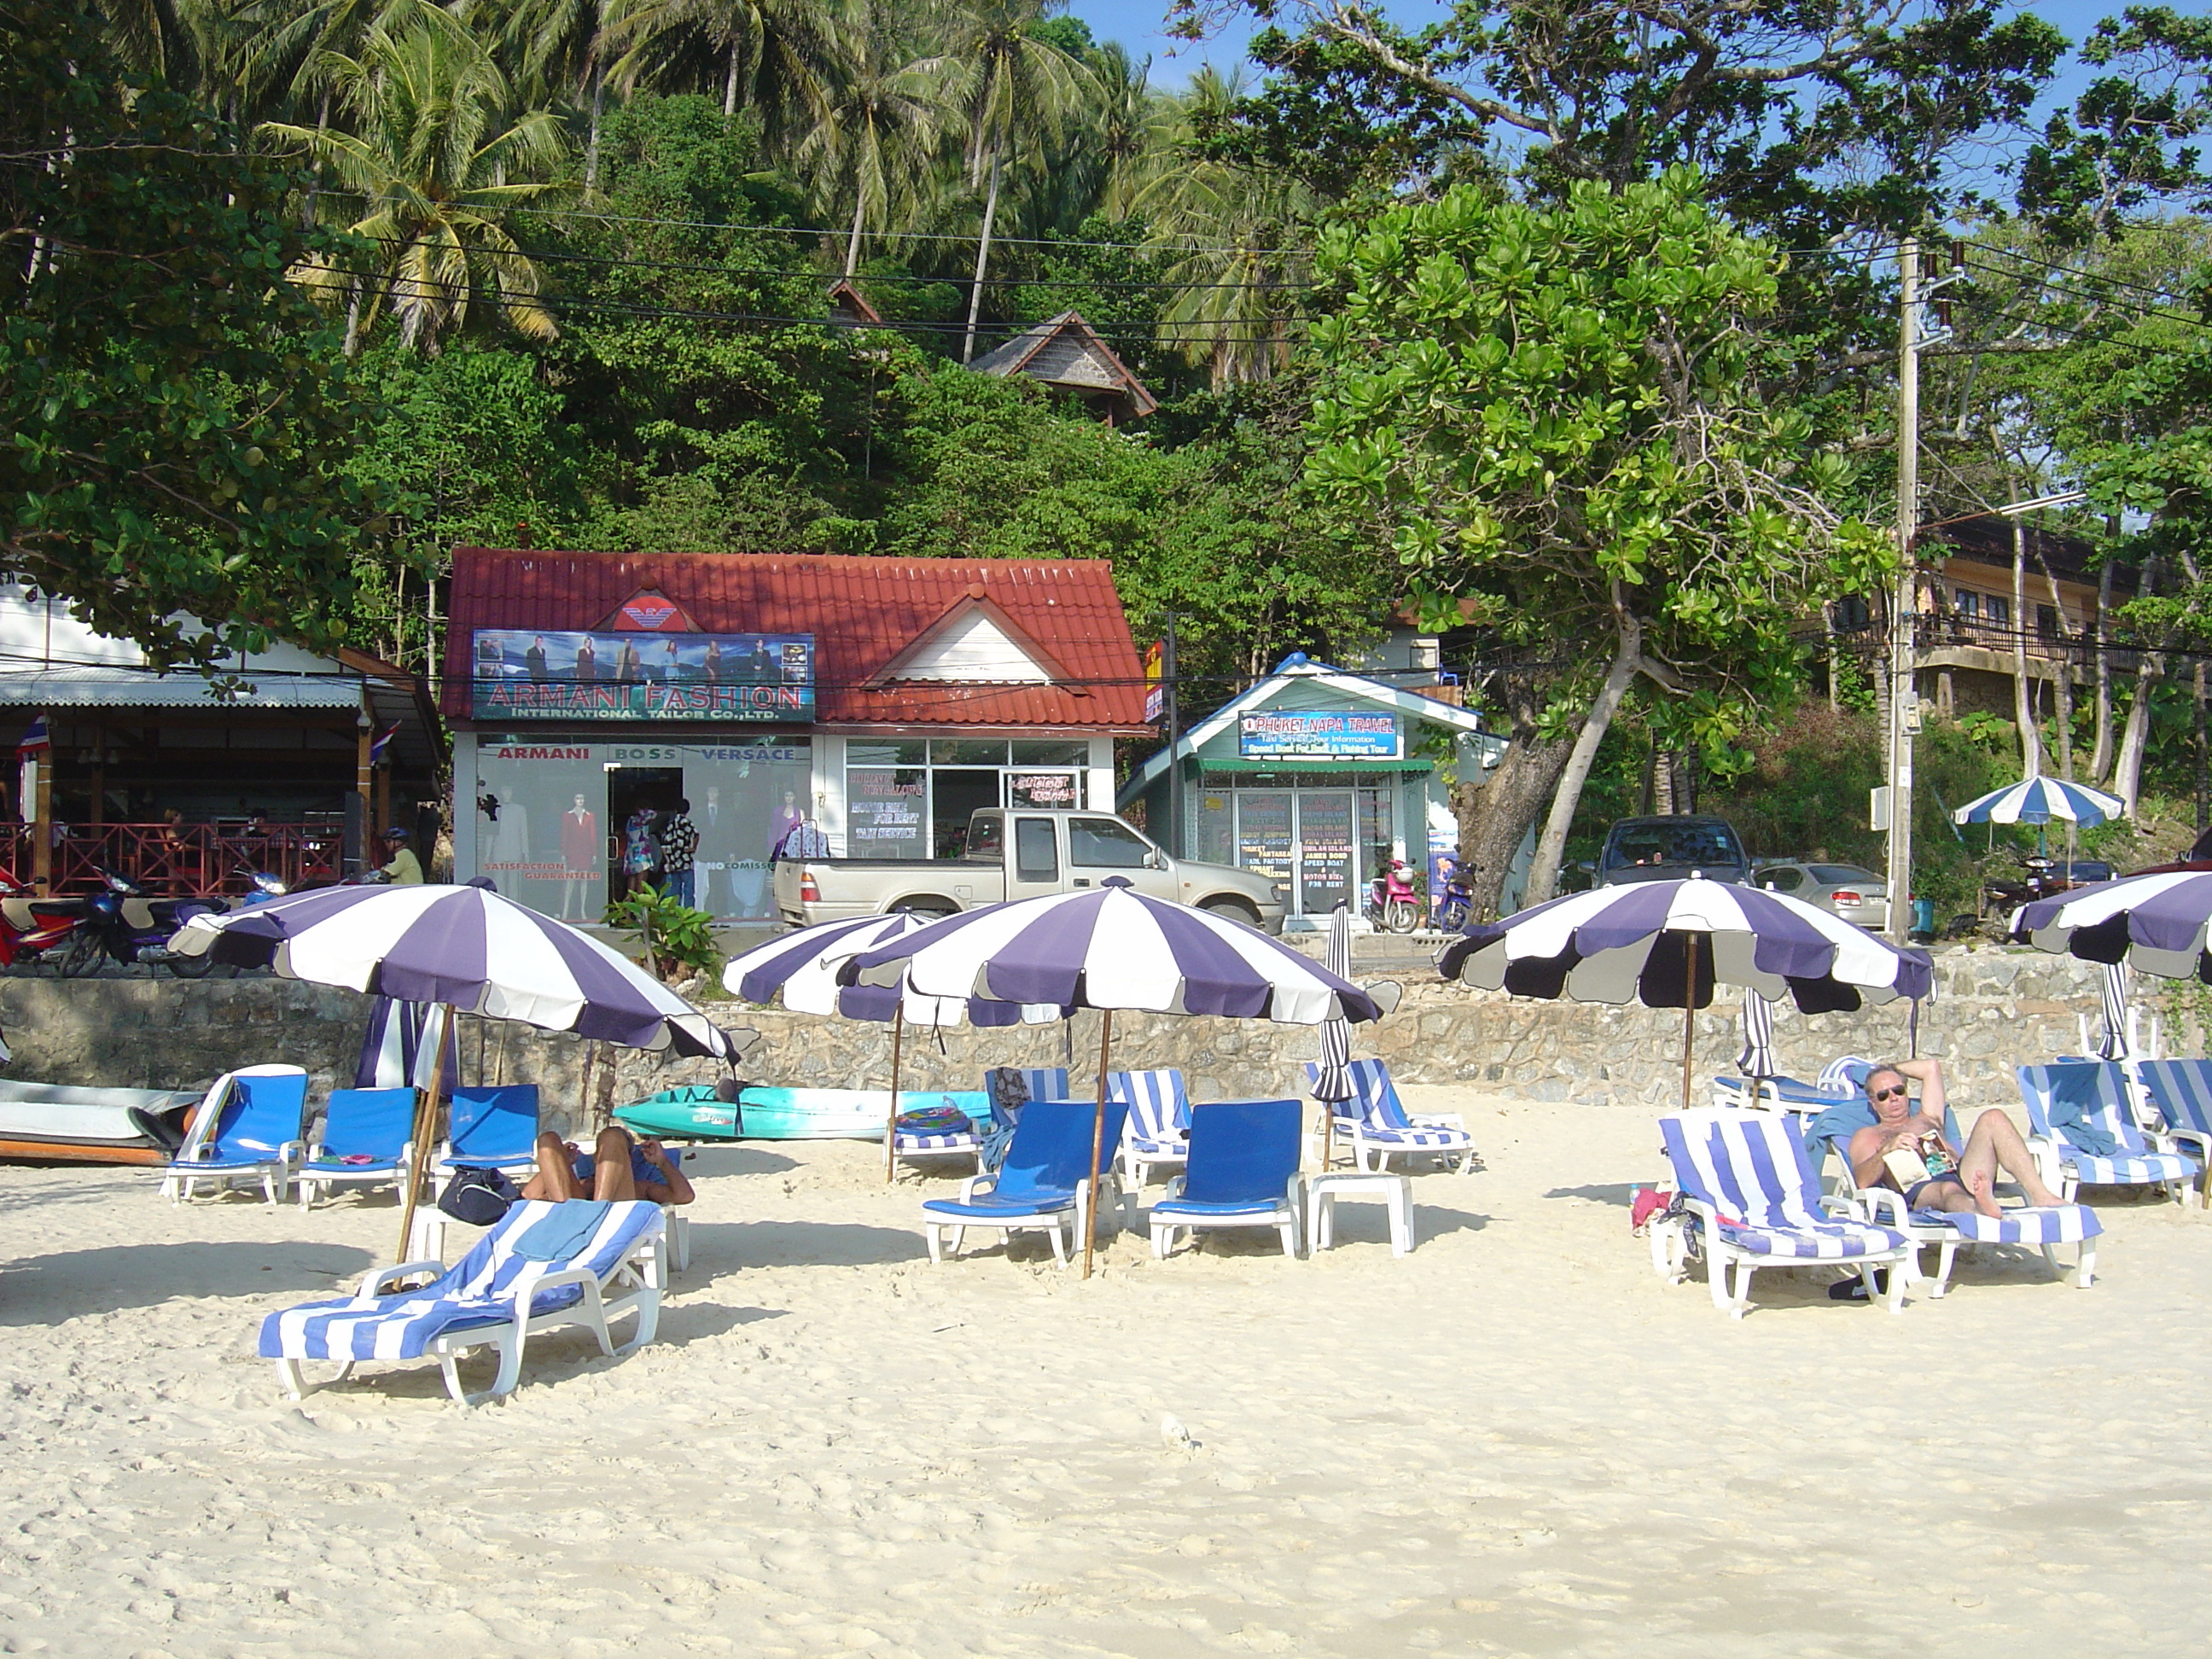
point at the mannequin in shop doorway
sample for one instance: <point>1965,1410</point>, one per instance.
<point>708,822</point>
<point>788,817</point>
<point>580,858</point>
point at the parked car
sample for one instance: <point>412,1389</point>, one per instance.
<point>1020,853</point>
<point>1856,895</point>
<point>1665,849</point>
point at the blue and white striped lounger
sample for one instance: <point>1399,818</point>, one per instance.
<point>1156,1134</point>
<point>543,1265</point>
<point>1377,1126</point>
<point>2097,1091</point>
<point>1744,1176</point>
<point>2180,1090</point>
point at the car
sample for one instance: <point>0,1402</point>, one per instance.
<point>1855,894</point>
<point>1668,849</point>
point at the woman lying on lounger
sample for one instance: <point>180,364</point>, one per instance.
<point>1955,1179</point>
<point>619,1166</point>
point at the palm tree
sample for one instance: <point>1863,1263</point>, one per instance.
<point>1010,88</point>
<point>880,128</point>
<point>555,50</point>
<point>440,159</point>
<point>773,55</point>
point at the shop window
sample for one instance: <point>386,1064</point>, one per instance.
<point>1104,843</point>
<point>967,751</point>
<point>2047,622</point>
<point>1212,827</point>
<point>886,810</point>
<point>1073,753</point>
<point>1036,857</point>
<point>1048,789</point>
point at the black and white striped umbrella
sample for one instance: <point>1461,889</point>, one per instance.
<point>1756,1058</point>
<point>801,968</point>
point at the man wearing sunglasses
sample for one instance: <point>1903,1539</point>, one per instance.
<point>1955,1179</point>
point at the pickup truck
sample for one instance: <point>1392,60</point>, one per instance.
<point>1019,852</point>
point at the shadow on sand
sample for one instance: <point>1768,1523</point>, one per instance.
<point>44,1289</point>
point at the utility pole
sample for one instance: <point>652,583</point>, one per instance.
<point>1168,671</point>
<point>1904,681</point>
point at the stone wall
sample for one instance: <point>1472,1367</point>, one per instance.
<point>1994,1009</point>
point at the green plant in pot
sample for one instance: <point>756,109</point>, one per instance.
<point>678,940</point>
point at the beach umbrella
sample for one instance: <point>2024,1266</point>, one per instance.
<point>1333,1081</point>
<point>1114,949</point>
<point>1756,1059</point>
<point>1667,943</point>
<point>467,950</point>
<point>2113,1043</point>
<point>801,968</point>
<point>2155,924</point>
<point>392,1048</point>
<point>2042,800</point>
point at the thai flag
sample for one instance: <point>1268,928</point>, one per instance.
<point>376,749</point>
<point>35,743</point>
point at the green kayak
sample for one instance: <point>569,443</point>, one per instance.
<point>694,1113</point>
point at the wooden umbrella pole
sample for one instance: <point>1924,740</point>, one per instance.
<point>891,1119</point>
<point>1689,1012</point>
<point>426,1124</point>
<point>1097,1136</point>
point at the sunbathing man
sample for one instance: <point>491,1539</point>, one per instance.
<point>619,1166</point>
<point>1970,1183</point>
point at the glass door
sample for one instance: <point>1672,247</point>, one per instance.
<point>1325,851</point>
<point>1263,836</point>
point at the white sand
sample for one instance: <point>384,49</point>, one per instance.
<point>1516,1440</point>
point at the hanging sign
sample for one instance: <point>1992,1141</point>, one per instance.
<point>521,674</point>
<point>1318,734</point>
<point>1155,696</point>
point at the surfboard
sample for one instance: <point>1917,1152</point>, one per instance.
<point>693,1113</point>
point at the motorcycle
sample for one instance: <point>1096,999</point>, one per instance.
<point>1457,903</point>
<point>1392,905</point>
<point>121,924</point>
<point>2041,876</point>
<point>34,929</point>
<point>261,886</point>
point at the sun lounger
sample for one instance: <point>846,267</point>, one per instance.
<point>1244,1172</point>
<point>1771,1094</point>
<point>1377,1126</point>
<point>1745,1177</point>
<point>493,1128</point>
<point>2180,1091</point>
<point>542,1266</point>
<point>2074,1100</point>
<point>1951,1230</point>
<point>365,1142</point>
<point>1043,1082</point>
<point>249,1128</point>
<point>1044,1185</point>
<point>1156,1134</point>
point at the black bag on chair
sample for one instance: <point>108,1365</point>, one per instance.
<point>478,1196</point>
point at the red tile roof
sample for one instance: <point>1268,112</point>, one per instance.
<point>862,613</point>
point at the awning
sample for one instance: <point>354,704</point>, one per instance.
<point>1208,764</point>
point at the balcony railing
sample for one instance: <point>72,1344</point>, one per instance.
<point>198,861</point>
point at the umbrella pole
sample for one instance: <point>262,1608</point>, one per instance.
<point>1689,1011</point>
<point>1097,1136</point>
<point>426,1123</point>
<point>890,1122</point>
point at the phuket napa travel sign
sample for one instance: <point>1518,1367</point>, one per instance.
<point>520,674</point>
<point>1318,734</point>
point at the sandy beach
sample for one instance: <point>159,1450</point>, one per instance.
<point>1515,1441</point>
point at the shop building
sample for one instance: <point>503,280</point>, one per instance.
<point>1316,778</point>
<point>880,701</point>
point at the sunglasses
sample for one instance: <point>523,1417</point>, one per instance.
<point>1888,1094</point>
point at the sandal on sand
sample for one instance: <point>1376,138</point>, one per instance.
<point>1854,1288</point>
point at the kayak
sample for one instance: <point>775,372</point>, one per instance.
<point>695,1113</point>
<point>101,1125</point>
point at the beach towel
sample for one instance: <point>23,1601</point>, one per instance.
<point>563,1231</point>
<point>2073,1096</point>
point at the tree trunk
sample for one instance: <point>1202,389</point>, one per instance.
<point>591,140</point>
<point>353,322</point>
<point>1835,658</point>
<point>729,89</point>
<point>982,258</point>
<point>1495,816</point>
<point>2100,758</point>
<point>2150,669</point>
<point>852,242</point>
<point>315,179</point>
<point>2023,712</point>
<point>2065,686</point>
<point>1552,845</point>
<point>2203,759</point>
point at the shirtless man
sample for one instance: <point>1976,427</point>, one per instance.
<point>1994,1143</point>
<point>619,1166</point>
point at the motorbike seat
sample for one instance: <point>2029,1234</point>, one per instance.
<point>19,914</point>
<point>139,915</point>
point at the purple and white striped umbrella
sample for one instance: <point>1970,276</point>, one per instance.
<point>2155,924</point>
<point>1112,947</point>
<point>1631,944</point>
<point>802,969</point>
<point>474,950</point>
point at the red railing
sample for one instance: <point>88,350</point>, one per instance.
<point>187,860</point>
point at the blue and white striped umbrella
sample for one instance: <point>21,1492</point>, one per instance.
<point>464,946</point>
<point>802,967</point>
<point>1112,947</point>
<point>2155,924</point>
<point>1632,944</point>
<point>2042,800</point>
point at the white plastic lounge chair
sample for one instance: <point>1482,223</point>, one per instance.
<point>1376,1125</point>
<point>1043,1082</point>
<point>2180,1092</point>
<point>1745,1177</point>
<point>248,1128</point>
<point>1953,1231</point>
<point>543,1266</point>
<point>1044,1185</point>
<point>2066,1099</point>
<point>1156,1134</point>
<point>365,1142</point>
<point>1244,1172</point>
<point>493,1128</point>
<point>907,1145</point>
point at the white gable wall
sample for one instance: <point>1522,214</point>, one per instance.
<point>973,647</point>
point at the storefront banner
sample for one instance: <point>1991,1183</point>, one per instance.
<point>520,674</point>
<point>1318,734</point>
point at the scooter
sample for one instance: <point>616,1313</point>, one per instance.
<point>261,886</point>
<point>1457,903</point>
<point>1392,903</point>
<point>121,924</point>
<point>34,929</point>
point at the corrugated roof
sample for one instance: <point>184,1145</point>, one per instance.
<point>862,612</point>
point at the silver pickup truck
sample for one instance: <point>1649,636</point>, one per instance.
<point>1018,852</point>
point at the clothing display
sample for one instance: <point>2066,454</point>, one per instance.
<point>580,841</point>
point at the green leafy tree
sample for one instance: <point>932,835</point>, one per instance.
<point>175,417</point>
<point>877,125</point>
<point>1553,413</point>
